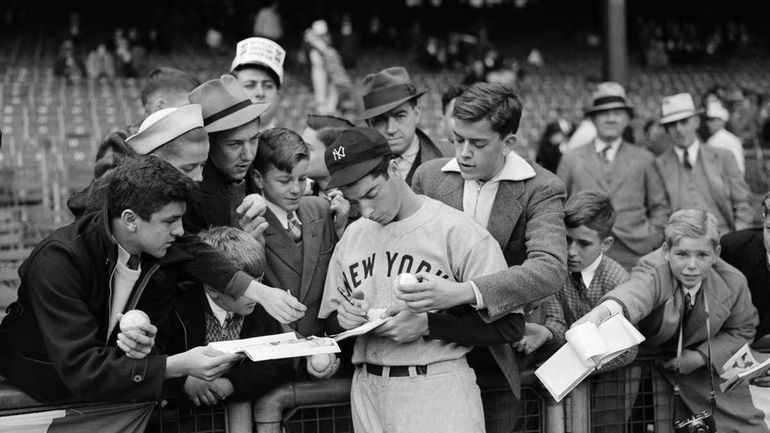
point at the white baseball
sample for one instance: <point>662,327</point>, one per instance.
<point>133,319</point>
<point>406,278</point>
<point>320,362</point>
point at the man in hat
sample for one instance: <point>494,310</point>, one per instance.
<point>390,107</point>
<point>716,119</point>
<point>626,173</point>
<point>396,381</point>
<point>697,176</point>
<point>258,66</point>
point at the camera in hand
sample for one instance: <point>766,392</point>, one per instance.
<point>699,423</point>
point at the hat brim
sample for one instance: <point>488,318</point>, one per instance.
<point>235,67</point>
<point>607,107</point>
<point>353,173</point>
<point>238,118</point>
<point>382,109</point>
<point>679,116</point>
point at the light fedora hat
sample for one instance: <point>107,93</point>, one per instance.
<point>163,126</point>
<point>677,107</point>
<point>260,51</point>
<point>715,110</point>
<point>225,104</point>
<point>609,95</point>
<point>386,90</point>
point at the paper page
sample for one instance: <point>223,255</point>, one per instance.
<point>292,348</point>
<point>618,335</point>
<point>236,346</point>
<point>587,341</point>
<point>738,377</point>
<point>563,371</point>
<point>740,361</point>
<point>374,321</point>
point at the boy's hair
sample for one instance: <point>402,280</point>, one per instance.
<point>238,246</point>
<point>766,205</point>
<point>381,169</point>
<point>591,209</point>
<point>145,184</point>
<point>173,147</point>
<point>165,79</point>
<point>451,93</point>
<point>691,223</point>
<point>320,121</point>
<point>494,102</point>
<point>281,148</point>
<point>327,136</point>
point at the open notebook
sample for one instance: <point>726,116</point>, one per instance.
<point>588,347</point>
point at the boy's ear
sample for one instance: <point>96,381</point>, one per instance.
<point>258,179</point>
<point>130,219</point>
<point>607,244</point>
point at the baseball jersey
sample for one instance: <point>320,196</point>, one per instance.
<point>438,240</point>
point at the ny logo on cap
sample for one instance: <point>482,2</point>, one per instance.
<point>338,153</point>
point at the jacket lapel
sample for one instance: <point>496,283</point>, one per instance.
<point>621,165</point>
<point>667,165</point>
<point>312,232</point>
<point>593,166</point>
<point>712,169</point>
<point>506,211</point>
<point>279,244</point>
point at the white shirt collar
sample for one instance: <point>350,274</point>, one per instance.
<point>281,214</point>
<point>600,144</point>
<point>220,313</point>
<point>123,257</point>
<point>693,292</point>
<point>515,169</point>
<point>587,274</point>
<point>692,152</point>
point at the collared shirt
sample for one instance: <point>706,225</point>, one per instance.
<point>616,308</point>
<point>281,214</point>
<point>600,145</point>
<point>692,153</point>
<point>478,197</point>
<point>406,159</point>
<point>587,274</point>
<point>123,280</point>
<point>220,313</point>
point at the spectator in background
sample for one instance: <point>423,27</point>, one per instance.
<point>68,63</point>
<point>446,124</point>
<point>716,119</point>
<point>258,66</point>
<point>551,146</point>
<point>697,176</point>
<point>624,172</point>
<point>100,63</point>
<point>654,137</point>
<point>327,71</point>
<point>390,106</point>
<point>749,251</point>
<point>267,23</point>
<point>320,133</point>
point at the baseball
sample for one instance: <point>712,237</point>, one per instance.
<point>407,279</point>
<point>320,362</point>
<point>133,319</point>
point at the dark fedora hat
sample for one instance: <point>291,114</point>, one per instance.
<point>386,90</point>
<point>609,95</point>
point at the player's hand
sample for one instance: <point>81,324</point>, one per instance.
<point>251,216</point>
<point>404,326</point>
<point>139,341</point>
<point>206,363</point>
<point>206,392</point>
<point>763,381</point>
<point>340,208</point>
<point>332,365</point>
<point>534,337</point>
<point>599,314</point>
<point>691,361</point>
<point>433,293</point>
<point>280,304</point>
<point>353,314</point>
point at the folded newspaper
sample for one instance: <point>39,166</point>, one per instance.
<point>741,368</point>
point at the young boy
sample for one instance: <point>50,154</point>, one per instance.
<point>416,382</point>
<point>205,315</point>
<point>302,230</point>
<point>685,282</point>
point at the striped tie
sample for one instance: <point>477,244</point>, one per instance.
<point>294,227</point>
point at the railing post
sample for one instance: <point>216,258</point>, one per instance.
<point>239,419</point>
<point>554,416</point>
<point>580,414</point>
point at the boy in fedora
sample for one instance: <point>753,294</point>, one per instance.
<point>258,66</point>
<point>626,173</point>
<point>398,377</point>
<point>390,106</point>
<point>697,176</point>
<point>227,195</point>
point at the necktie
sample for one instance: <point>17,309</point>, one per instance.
<point>603,154</point>
<point>686,160</point>
<point>687,306</point>
<point>133,262</point>
<point>294,227</point>
<point>577,278</point>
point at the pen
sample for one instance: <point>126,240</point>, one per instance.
<point>345,295</point>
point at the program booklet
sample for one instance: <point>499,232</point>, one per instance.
<point>374,321</point>
<point>741,368</point>
<point>277,346</point>
<point>588,347</point>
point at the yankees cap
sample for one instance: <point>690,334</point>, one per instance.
<point>355,153</point>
